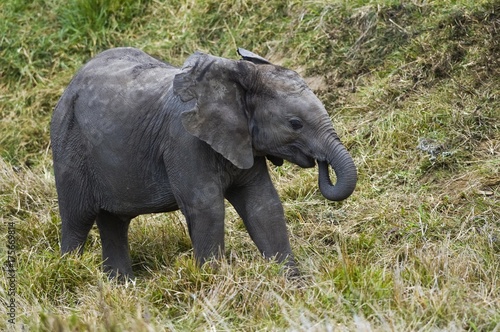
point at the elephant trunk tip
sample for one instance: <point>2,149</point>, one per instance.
<point>346,180</point>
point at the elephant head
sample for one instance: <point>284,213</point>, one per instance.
<point>250,107</point>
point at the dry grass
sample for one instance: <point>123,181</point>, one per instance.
<point>414,92</point>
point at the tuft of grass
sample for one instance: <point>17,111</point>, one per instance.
<point>417,246</point>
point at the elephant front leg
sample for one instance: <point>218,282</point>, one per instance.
<point>260,208</point>
<point>206,230</point>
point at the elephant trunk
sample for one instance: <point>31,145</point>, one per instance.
<point>345,170</point>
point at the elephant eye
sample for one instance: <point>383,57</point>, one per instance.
<point>296,124</point>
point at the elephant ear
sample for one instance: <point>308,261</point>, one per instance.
<point>252,57</point>
<point>215,114</point>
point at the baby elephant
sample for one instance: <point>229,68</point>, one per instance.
<point>133,135</point>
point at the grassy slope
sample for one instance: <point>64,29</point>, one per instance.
<point>417,247</point>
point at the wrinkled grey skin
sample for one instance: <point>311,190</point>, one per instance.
<point>133,135</point>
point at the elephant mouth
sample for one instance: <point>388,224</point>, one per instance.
<point>293,155</point>
<point>302,159</point>
<point>307,163</point>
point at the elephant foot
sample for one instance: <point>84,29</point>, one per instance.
<point>116,275</point>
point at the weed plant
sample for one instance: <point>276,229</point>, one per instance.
<point>413,90</point>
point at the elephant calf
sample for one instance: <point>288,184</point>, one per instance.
<point>133,135</point>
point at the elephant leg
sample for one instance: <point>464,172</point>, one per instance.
<point>115,251</point>
<point>204,212</point>
<point>77,216</point>
<point>259,206</point>
<point>75,229</point>
<point>206,229</point>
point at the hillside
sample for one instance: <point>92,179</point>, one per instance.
<point>413,90</point>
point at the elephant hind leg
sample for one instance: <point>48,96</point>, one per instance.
<point>77,219</point>
<point>77,205</point>
<point>74,234</point>
<point>115,251</point>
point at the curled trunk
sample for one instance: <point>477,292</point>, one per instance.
<point>345,170</point>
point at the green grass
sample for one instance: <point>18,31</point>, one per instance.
<point>416,248</point>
